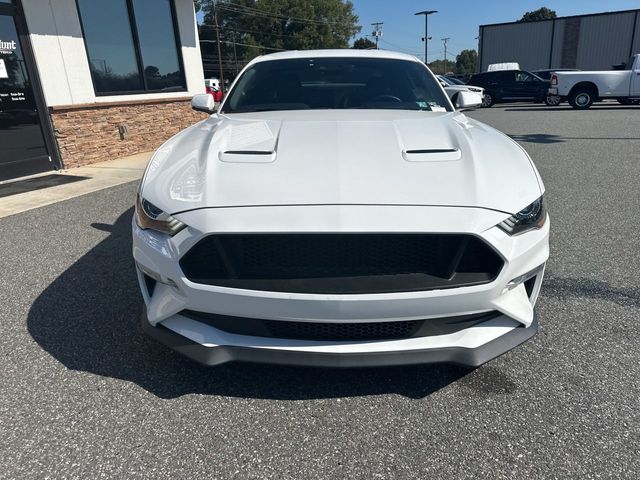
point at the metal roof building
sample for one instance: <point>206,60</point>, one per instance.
<point>587,42</point>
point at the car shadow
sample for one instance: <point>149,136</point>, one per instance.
<point>88,320</point>
<point>543,138</point>
<point>547,138</point>
<point>564,108</point>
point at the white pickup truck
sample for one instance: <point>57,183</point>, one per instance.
<point>581,89</point>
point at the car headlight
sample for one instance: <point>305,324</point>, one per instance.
<point>148,216</point>
<point>531,217</point>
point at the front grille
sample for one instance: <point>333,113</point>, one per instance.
<point>341,263</point>
<point>338,331</point>
<point>341,331</point>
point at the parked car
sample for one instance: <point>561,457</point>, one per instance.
<point>510,86</point>
<point>551,100</point>
<point>458,79</point>
<point>581,89</point>
<point>212,83</point>
<point>338,211</point>
<point>212,87</point>
<point>546,74</point>
<point>216,93</point>
<point>454,80</point>
<point>453,89</point>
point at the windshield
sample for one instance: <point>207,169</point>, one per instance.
<point>445,80</point>
<point>336,83</point>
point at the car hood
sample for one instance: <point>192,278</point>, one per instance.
<point>357,157</point>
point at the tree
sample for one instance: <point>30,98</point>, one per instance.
<point>249,28</point>
<point>364,44</point>
<point>542,13</point>
<point>467,62</point>
<point>439,67</point>
<point>197,4</point>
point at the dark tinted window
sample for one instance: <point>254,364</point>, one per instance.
<point>112,55</point>
<point>525,77</point>
<point>336,83</point>
<point>20,134</point>
<point>158,45</point>
<point>119,64</point>
<point>505,78</point>
<point>545,75</point>
<point>455,81</point>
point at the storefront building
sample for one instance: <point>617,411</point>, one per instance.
<point>84,81</point>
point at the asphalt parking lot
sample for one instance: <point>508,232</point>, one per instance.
<point>84,394</point>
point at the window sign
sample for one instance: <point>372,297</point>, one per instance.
<point>22,146</point>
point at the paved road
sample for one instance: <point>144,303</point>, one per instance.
<point>83,394</point>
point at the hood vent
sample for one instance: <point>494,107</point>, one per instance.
<point>432,155</point>
<point>247,156</point>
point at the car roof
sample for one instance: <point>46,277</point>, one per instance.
<point>556,70</point>
<point>336,53</point>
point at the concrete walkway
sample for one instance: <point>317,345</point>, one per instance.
<point>97,176</point>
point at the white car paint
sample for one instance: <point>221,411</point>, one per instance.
<point>453,89</point>
<point>607,84</point>
<point>340,171</point>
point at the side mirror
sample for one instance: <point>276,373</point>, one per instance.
<point>203,102</point>
<point>468,100</point>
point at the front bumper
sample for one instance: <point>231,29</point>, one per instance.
<point>211,354</point>
<point>158,254</point>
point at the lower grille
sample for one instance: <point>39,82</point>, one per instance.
<point>341,263</point>
<point>337,331</point>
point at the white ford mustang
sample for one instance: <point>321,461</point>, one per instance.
<point>338,211</point>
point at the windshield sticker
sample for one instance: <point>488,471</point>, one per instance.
<point>436,108</point>
<point>423,104</point>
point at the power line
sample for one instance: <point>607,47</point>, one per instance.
<point>401,49</point>
<point>236,8</point>
<point>243,30</point>
<point>245,45</point>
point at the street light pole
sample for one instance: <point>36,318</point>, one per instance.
<point>426,14</point>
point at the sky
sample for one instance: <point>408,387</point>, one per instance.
<point>458,20</point>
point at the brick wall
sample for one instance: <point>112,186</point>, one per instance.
<point>89,133</point>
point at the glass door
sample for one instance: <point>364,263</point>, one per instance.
<point>23,150</point>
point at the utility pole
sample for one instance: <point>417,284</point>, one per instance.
<point>445,40</point>
<point>215,21</point>
<point>426,14</point>
<point>377,31</point>
<point>235,55</point>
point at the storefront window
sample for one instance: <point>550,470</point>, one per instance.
<point>158,45</point>
<point>127,55</point>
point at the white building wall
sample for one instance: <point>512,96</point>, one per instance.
<point>60,54</point>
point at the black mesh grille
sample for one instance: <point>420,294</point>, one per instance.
<point>338,330</point>
<point>341,331</point>
<point>341,263</point>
